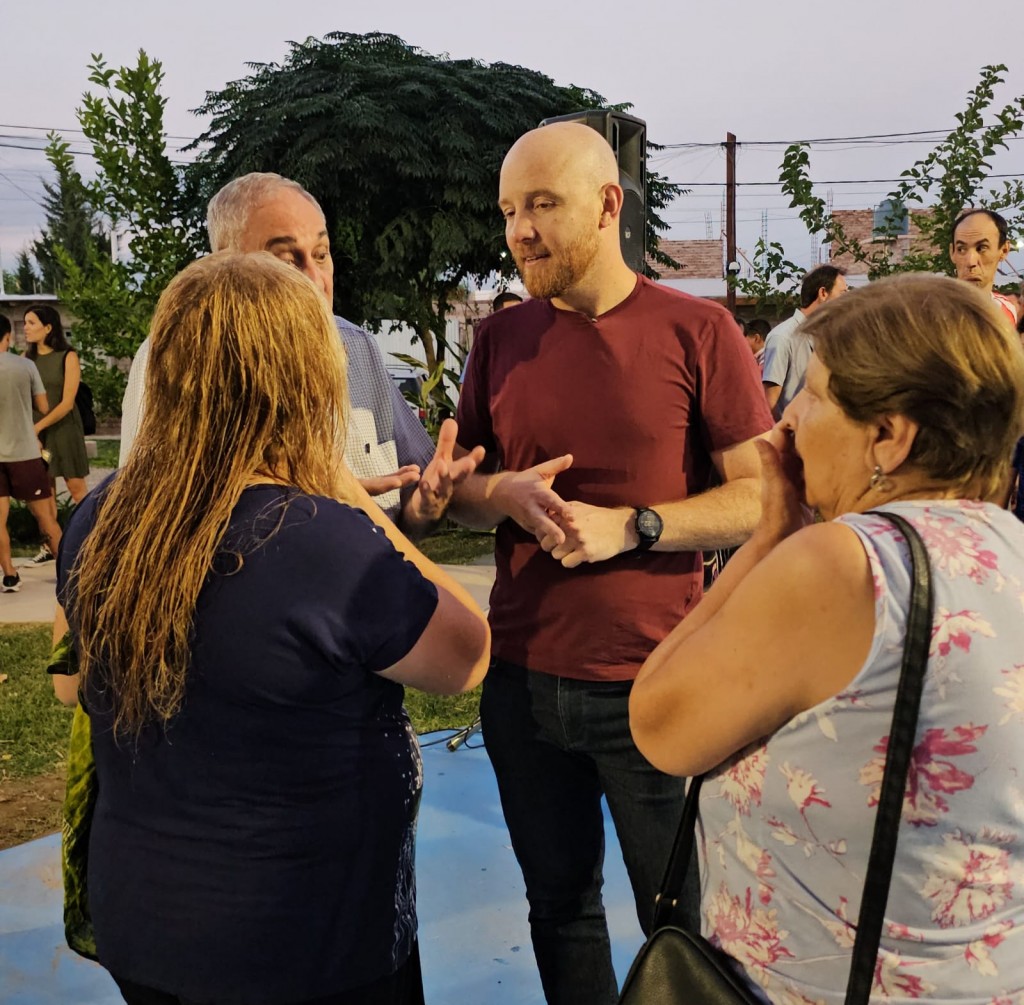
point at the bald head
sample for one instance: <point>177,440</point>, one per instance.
<point>571,150</point>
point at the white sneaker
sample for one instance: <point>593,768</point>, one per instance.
<point>11,584</point>
<point>44,556</point>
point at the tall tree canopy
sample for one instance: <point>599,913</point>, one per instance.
<point>23,279</point>
<point>402,149</point>
<point>71,219</point>
<point>139,193</point>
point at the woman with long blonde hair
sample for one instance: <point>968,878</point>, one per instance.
<point>242,637</point>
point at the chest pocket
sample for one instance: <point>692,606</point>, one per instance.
<point>367,458</point>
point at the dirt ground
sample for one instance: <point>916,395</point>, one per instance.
<point>30,807</point>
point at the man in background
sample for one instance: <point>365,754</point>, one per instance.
<point>505,299</point>
<point>979,242</point>
<point>787,349</point>
<point>386,447</point>
<point>756,332</point>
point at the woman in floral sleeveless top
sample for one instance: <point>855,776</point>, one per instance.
<point>782,683</point>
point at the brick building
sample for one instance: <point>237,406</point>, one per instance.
<point>865,226</point>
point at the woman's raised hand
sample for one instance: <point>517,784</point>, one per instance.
<point>783,511</point>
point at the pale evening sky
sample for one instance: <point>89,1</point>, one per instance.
<point>786,70</point>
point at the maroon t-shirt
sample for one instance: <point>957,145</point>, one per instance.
<point>640,397</point>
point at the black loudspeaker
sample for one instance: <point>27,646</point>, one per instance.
<point>627,136</point>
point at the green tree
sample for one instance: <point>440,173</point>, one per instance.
<point>141,195</point>
<point>23,279</point>
<point>949,178</point>
<point>402,149</point>
<point>24,274</point>
<point>138,188</point>
<point>71,220</point>
<point>775,283</point>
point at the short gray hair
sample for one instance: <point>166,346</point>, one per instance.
<point>227,214</point>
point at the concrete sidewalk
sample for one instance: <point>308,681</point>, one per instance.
<point>36,599</point>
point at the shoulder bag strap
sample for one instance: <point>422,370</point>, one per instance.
<point>672,885</point>
<point>897,764</point>
<point>894,782</point>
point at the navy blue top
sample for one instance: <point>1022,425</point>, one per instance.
<point>258,849</point>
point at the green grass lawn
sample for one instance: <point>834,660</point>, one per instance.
<point>34,725</point>
<point>106,454</point>
<point>457,546</point>
<point>437,711</point>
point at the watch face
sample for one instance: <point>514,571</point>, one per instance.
<point>648,524</point>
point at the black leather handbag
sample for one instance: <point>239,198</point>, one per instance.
<point>678,967</point>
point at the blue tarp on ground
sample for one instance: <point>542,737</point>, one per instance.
<point>474,937</point>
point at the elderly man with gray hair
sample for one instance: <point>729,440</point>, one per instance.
<point>386,448</point>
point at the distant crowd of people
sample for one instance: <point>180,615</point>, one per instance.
<point>246,603</point>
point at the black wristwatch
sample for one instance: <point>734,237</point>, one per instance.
<point>648,528</point>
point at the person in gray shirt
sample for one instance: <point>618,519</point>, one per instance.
<point>787,349</point>
<point>22,471</point>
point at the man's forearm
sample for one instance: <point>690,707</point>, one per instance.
<point>474,504</point>
<point>722,517</point>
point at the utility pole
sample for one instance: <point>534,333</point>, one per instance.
<point>730,220</point>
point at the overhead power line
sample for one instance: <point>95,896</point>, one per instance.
<point>55,129</point>
<point>28,195</point>
<point>906,136</point>
<point>910,136</point>
<point>848,181</point>
<point>77,153</point>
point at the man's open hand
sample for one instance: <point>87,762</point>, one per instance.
<point>408,474</point>
<point>430,499</point>
<point>528,498</point>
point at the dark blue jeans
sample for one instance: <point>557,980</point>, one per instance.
<point>556,745</point>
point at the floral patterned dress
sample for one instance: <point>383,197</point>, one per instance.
<point>786,823</point>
